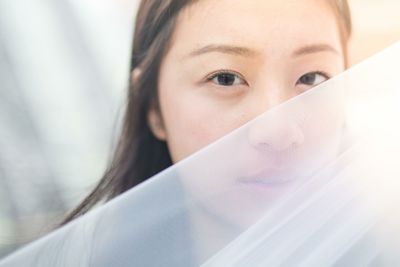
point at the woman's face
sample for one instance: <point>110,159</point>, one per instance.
<point>231,60</point>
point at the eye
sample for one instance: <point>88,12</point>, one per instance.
<point>226,78</point>
<point>312,78</point>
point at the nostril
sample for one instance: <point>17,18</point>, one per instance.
<point>298,133</point>
<point>265,146</point>
<point>278,137</point>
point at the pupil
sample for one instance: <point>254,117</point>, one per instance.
<point>308,79</point>
<point>226,79</point>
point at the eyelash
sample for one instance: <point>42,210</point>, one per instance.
<point>215,74</point>
<point>317,72</point>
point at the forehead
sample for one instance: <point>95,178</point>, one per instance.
<point>264,25</point>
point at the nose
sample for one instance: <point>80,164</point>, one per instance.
<point>275,133</point>
<point>277,129</point>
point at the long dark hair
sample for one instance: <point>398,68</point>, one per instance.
<point>139,154</point>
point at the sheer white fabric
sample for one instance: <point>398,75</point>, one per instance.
<point>312,182</point>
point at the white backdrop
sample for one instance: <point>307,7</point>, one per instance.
<point>63,73</point>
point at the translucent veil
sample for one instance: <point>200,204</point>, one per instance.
<point>312,182</point>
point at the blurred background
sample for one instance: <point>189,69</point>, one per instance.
<point>63,76</point>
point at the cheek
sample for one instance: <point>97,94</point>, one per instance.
<point>192,122</point>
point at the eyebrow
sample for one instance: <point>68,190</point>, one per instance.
<point>244,51</point>
<point>314,48</point>
<point>226,49</point>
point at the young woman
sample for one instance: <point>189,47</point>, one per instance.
<point>202,68</point>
